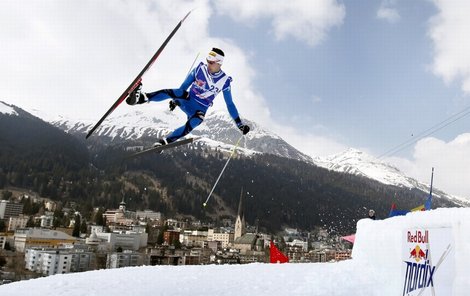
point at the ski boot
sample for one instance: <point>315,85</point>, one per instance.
<point>160,142</point>
<point>137,96</point>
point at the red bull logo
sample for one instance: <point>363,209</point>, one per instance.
<point>417,254</point>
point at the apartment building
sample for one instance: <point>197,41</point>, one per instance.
<point>17,222</point>
<point>57,261</point>
<point>125,259</point>
<point>10,209</point>
<point>226,238</point>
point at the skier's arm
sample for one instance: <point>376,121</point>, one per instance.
<point>232,109</point>
<point>189,80</point>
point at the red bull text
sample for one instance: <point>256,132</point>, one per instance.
<point>418,237</point>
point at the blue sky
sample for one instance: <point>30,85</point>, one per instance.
<point>368,83</point>
<point>325,75</point>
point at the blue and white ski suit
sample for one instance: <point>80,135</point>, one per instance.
<point>203,88</point>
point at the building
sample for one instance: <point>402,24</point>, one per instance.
<point>47,220</point>
<point>44,238</point>
<point>297,243</point>
<point>148,214</point>
<point>120,216</point>
<point>17,222</point>
<point>316,256</point>
<point>55,261</point>
<point>193,238</point>
<point>3,240</point>
<point>240,225</point>
<point>296,253</point>
<point>47,262</point>
<point>126,240</point>
<point>170,236</point>
<point>245,243</point>
<point>175,224</point>
<point>250,245</point>
<point>342,255</point>
<point>9,209</point>
<point>125,259</point>
<point>50,206</point>
<point>226,238</point>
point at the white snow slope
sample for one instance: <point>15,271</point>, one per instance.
<point>376,269</point>
<point>7,109</point>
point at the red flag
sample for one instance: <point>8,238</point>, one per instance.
<point>276,256</point>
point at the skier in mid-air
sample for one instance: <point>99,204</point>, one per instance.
<point>204,82</point>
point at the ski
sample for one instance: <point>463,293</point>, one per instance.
<point>138,79</point>
<point>164,147</point>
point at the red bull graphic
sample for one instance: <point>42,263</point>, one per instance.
<point>426,270</point>
<point>419,274</point>
<point>417,254</point>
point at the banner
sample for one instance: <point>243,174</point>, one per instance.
<point>428,262</point>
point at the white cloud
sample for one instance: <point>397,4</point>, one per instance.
<point>449,31</point>
<point>74,58</point>
<point>388,14</point>
<point>451,161</point>
<point>306,20</point>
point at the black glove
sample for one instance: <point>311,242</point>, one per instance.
<point>244,128</point>
<point>173,105</point>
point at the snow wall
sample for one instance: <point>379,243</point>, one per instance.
<point>422,253</point>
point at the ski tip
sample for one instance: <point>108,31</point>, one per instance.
<point>187,15</point>
<point>204,204</point>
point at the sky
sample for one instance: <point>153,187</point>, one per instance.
<point>325,75</point>
<point>376,268</point>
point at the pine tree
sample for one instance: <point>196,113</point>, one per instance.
<point>76,226</point>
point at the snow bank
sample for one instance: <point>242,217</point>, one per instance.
<point>378,268</point>
<point>383,248</point>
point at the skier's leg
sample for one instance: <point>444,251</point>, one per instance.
<point>164,94</point>
<point>193,121</point>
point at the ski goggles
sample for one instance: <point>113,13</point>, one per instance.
<point>215,57</point>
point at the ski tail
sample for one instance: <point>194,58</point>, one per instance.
<point>138,79</point>
<point>164,147</point>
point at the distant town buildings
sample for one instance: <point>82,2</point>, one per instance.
<point>145,238</point>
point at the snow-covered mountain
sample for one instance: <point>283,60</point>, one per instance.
<point>146,123</point>
<point>353,161</point>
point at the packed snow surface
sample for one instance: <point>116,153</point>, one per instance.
<point>376,269</point>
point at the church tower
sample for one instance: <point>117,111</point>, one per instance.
<point>122,205</point>
<point>240,222</point>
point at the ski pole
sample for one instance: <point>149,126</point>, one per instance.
<point>197,56</point>
<point>223,169</point>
